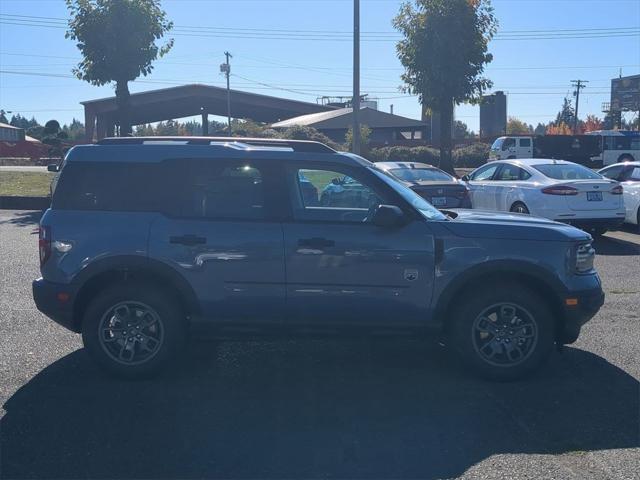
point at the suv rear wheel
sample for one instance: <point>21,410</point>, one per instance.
<point>503,332</point>
<point>133,330</point>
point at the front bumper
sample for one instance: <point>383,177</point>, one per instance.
<point>56,302</point>
<point>579,307</point>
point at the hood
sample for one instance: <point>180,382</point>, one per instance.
<point>511,226</point>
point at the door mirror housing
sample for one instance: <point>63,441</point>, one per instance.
<point>465,178</point>
<point>53,167</point>
<point>388,216</point>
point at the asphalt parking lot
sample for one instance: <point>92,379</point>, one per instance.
<point>317,408</point>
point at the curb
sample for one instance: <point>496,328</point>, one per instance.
<point>24,203</point>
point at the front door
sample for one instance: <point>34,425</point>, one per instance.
<point>480,182</point>
<point>219,232</point>
<point>340,267</point>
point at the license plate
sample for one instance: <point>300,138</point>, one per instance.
<point>594,196</point>
<point>441,201</point>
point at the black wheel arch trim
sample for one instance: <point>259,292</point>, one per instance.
<point>132,264</point>
<point>508,268</point>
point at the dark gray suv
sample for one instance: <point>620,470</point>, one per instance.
<point>149,238</point>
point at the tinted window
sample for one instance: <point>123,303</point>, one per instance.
<point>484,173</point>
<point>512,173</point>
<point>216,189</point>
<point>634,175</point>
<point>330,195</point>
<point>420,174</point>
<point>525,142</point>
<point>566,171</point>
<point>613,172</point>
<point>109,186</point>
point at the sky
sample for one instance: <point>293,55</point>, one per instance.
<point>302,49</point>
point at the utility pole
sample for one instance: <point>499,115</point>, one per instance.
<point>579,84</point>
<point>226,69</point>
<point>355,101</point>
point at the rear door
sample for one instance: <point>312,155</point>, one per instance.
<point>342,269</point>
<point>508,181</point>
<point>220,231</point>
<point>525,148</point>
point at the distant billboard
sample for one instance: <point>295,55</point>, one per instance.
<point>493,115</point>
<point>625,94</point>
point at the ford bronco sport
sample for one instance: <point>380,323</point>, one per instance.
<point>147,238</point>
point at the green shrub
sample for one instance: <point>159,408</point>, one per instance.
<point>404,154</point>
<point>471,156</point>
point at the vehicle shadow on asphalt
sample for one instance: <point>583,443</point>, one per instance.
<point>615,247</point>
<point>309,409</point>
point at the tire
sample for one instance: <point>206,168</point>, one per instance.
<point>158,329</point>
<point>476,325</point>
<point>519,207</point>
<point>598,231</point>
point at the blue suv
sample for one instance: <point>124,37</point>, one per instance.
<point>148,239</point>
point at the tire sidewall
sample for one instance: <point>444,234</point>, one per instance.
<point>461,330</point>
<point>173,323</point>
<point>512,209</point>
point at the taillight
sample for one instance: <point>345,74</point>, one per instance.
<point>44,244</point>
<point>617,190</point>
<point>560,190</point>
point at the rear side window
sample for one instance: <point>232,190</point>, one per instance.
<point>216,189</point>
<point>566,171</point>
<point>525,142</point>
<point>109,186</point>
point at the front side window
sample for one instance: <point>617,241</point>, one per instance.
<point>484,173</point>
<point>330,195</point>
<point>508,143</point>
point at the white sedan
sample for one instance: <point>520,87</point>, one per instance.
<point>628,173</point>
<point>554,189</point>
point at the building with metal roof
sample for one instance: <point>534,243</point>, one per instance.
<point>386,128</point>
<point>101,116</point>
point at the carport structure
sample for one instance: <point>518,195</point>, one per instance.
<point>101,116</point>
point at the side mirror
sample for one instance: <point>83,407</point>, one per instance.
<point>53,167</point>
<point>387,216</point>
<point>335,181</point>
<point>465,178</point>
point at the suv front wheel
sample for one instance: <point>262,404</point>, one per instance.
<point>503,332</point>
<point>133,330</point>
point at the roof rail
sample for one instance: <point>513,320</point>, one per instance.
<point>295,145</point>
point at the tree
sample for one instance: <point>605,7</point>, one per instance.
<point>118,42</point>
<point>365,138</point>
<point>52,135</point>
<point>75,130</point>
<point>561,128</point>
<point>461,130</point>
<point>518,127</point>
<point>566,113</point>
<point>540,129</point>
<point>444,52</point>
<point>3,118</point>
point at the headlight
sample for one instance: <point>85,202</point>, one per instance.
<point>583,258</point>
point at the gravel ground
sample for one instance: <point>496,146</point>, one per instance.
<point>317,408</point>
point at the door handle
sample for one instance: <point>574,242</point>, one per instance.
<point>189,240</point>
<point>316,242</point>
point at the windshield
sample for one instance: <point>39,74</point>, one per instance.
<point>427,210</point>
<point>497,145</point>
<point>566,171</point>
<point>420,174</point>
